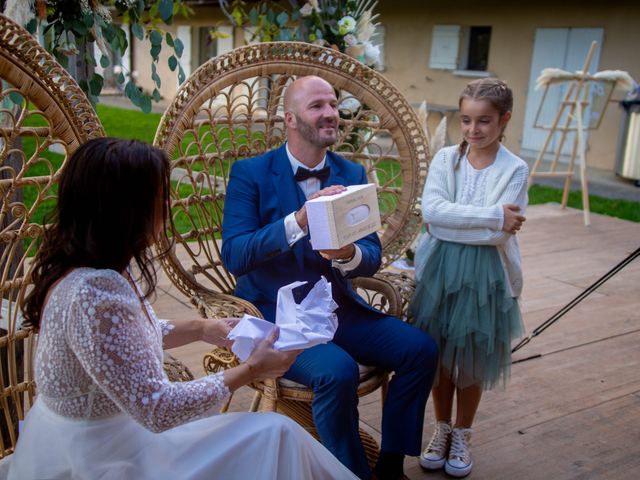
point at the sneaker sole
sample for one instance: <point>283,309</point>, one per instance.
<point>457,472</point>
<point>432,464</point>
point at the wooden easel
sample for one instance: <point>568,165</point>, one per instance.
<point>573,105</point>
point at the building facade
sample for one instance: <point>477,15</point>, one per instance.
<point>433,48</point>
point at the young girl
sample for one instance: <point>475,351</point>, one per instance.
<point>468,267</point>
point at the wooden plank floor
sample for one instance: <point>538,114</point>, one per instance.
<point>572,408</point>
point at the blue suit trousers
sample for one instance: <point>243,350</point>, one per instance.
<point>331,370</point>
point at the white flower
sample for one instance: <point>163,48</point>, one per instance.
<point>351,40</point>
<point>366,26</point>
<point>306,10</point>
<point>371,53</point>
<point>314,4</point>
<point>346,24</point>
<point>351,104</point>
<point>20,11</point>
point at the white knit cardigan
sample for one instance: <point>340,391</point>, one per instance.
<point>470,224</point>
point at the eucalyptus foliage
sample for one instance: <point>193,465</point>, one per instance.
<point>72,28</point>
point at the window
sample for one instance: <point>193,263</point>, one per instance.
<point>477,51</point>
<point>462,49</point>
<point>208,45</point>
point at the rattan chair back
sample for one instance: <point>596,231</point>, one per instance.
<point>232,108</point>
<point>44,117</point>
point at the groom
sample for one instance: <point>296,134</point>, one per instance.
<point>265,244</point>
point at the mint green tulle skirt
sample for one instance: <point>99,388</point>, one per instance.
<point>462,300</point>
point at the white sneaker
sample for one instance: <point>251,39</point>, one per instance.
<point>435,455</point>
<point>459,463</point>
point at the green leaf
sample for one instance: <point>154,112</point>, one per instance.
<point>109,33</point>
<point>284,35</point>
<point>282,19</point>
<point>155,38</point>
<point>178,46</point>
<point>88,19</point>
<point>63,60</point>
<point>145,104</point>
<point>138,31</point>
<point>140,7</point>
<point>253,16</point>
<point>46,29</point>
<point>32,26</point>
<point>173,62</point>
<point>271,16</point>
<point>120,78</point>
<point>156,95</point>
<point>79,28</point>
<point>236,13</point>
<point>169,39</point>
<point>155,51</point>
<point>95,84</point>
<point>122,39</point>
<point>89,58</point>
<point>132,93</point>
<point>181,75</point>
<point>104,61</point>
<point>154,75</point>
<point>16,98</point>
<point>165,10</point>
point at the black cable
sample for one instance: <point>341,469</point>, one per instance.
<point>588,291</point>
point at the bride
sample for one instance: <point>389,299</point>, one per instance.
<point>105,409</point>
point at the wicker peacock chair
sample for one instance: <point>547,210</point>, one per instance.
<point>44,117</point>
<point>231,108</point>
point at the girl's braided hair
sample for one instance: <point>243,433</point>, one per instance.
<point>493,90</point>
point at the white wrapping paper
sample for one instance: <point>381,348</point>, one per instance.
<point>301,325</point>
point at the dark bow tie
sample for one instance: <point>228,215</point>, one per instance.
<point>304,174</point>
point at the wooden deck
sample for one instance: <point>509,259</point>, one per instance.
<point>572,409</point>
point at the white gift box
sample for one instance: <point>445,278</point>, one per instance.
<point>338,220</point>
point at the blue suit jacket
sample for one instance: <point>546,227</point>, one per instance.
<point>261,192</point>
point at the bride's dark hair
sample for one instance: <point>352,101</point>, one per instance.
<point>110,195</point>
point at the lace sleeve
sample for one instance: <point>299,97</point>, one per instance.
<point>120,348</point>
<point>166,326</point>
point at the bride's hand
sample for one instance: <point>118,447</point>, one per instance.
<point>266,362</point>
<point>215,331</point>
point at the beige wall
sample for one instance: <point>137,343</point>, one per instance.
<point>408,27</point>
<point>204,16</point>
<point>408,42</point>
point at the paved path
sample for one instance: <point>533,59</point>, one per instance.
<point>572,409</point>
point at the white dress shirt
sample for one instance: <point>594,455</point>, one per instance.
<point>291,227</point>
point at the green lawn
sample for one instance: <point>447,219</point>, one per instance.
<point>126,123</point>
<point>123,123</point>
<point>625,209</point>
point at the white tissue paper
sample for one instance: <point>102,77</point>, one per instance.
<point>301,325</point>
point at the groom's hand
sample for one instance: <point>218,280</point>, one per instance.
<point>301,215</point>
<point>345,254</point>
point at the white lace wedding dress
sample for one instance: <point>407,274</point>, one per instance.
<point>106,410</point>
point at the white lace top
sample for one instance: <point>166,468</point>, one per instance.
<point>100,354</point>
<point>474,186</point>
